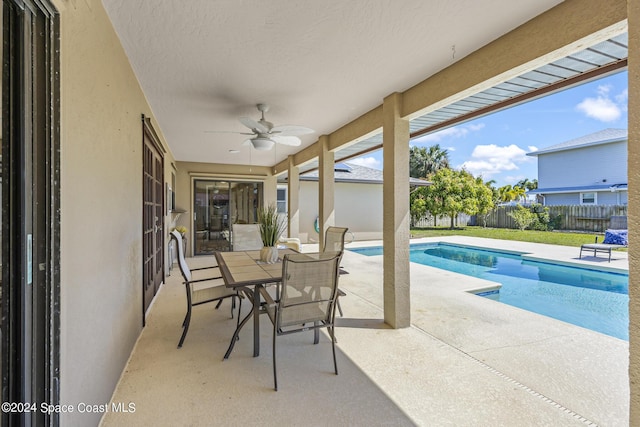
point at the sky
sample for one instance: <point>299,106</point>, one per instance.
<point>495,146</point>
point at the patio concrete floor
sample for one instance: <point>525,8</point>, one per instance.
<point>465,361</point>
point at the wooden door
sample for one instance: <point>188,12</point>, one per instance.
<point>153,216</point>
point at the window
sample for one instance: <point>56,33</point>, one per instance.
<point>588,198</point>
<point>282,200</point>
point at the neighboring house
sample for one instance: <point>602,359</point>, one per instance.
<point>358,201</point>
<point>590,170</point>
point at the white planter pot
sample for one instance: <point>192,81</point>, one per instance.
<point>269,254</point>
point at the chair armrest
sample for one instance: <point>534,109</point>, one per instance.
<point>205,280</point>
<point>204,268</point>
<point>267,297</point>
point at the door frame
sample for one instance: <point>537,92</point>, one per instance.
<point>30,209</point>
<point>153,216</point>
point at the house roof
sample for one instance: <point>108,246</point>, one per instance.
<point>606,136</point>
<point>354,173</point>
<point>580,189</point>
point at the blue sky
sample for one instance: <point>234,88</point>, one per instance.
<point>495,146</point>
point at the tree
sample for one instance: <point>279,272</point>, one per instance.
<point>453,192</point>
<point>418,207</point>
<point>507,193</point>
<point>527,185</point>
<point>523,217</point>
<point>424,162</point>
<point>486,195</point>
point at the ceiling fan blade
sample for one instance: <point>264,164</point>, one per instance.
<point>228,131</point>
<point>291,130</point>
<point>286,140</point>
<point>254,125</point>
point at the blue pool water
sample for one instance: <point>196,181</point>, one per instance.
<point>592,299</point>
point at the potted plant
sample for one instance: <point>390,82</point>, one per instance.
<point>271,227</point>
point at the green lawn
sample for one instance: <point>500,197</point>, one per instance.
<point>550,237</point>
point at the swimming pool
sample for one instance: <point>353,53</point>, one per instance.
<point>592,299</point>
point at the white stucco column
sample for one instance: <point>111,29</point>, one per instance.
<point>633,213</point>
<point>395,233</point>
<point>326,187</point>
<point>293,200</point>
<point>270,190</point>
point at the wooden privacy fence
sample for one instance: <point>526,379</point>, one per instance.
<point>573,217</point>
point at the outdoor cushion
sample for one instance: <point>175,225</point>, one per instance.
<point>615,237</point>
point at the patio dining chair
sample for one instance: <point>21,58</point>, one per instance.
<point>246,237</point>
<point>201,291</point>
<point>308,295</point>
<point>334,242</point>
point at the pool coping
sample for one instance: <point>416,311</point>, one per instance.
<point>530,255</point>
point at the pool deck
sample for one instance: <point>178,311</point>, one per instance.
<point>565,366</point>
<point>465,360</point>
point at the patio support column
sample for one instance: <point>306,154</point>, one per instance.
<point>633,214</point>
<point>395,196</point>
<point>326,187</point>
<point>270,190</point>
<point>293,200</point>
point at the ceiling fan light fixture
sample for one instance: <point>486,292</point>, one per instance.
<point>262,143</point>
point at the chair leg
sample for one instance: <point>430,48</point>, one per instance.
<point>333,348</point>
<point>275,374</point>
<point>316,333</point>
<point>218,304</point>
<point>185,326</point>
<point>339,308</point>
<point>239,311</point>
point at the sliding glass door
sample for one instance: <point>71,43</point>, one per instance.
<point>218,205</point>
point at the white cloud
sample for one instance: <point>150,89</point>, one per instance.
<point>603,107</point>
<point>489,160</point>
<point>370,162</point>
<point>452,132</point>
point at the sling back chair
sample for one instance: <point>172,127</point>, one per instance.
<point>308,295</point>
<point>334,242</point>
<point>201,291</point>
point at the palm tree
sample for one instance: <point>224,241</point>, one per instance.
<point>423,162</point>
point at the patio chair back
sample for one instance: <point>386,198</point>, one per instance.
<point>182,263</point>
<point>309,287</point>
<point>334,242</point>
<point>334,239</point>
<point>246,237</point>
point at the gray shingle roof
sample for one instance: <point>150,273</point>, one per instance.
<point>357,173</point>
<point>605,136</point>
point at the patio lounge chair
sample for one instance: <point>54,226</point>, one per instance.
<point>308,295</point>
<point>613,239</point>
<point>201,291</point>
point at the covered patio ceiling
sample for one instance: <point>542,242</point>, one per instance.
<point>203,64</point>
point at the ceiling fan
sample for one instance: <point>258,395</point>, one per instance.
<point>264,134</point>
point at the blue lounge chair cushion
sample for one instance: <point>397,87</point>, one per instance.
<point>615,237</point>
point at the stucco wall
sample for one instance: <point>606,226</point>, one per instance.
<point>634,210</point>
<point>101,207</point>
<point>357,206</point>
